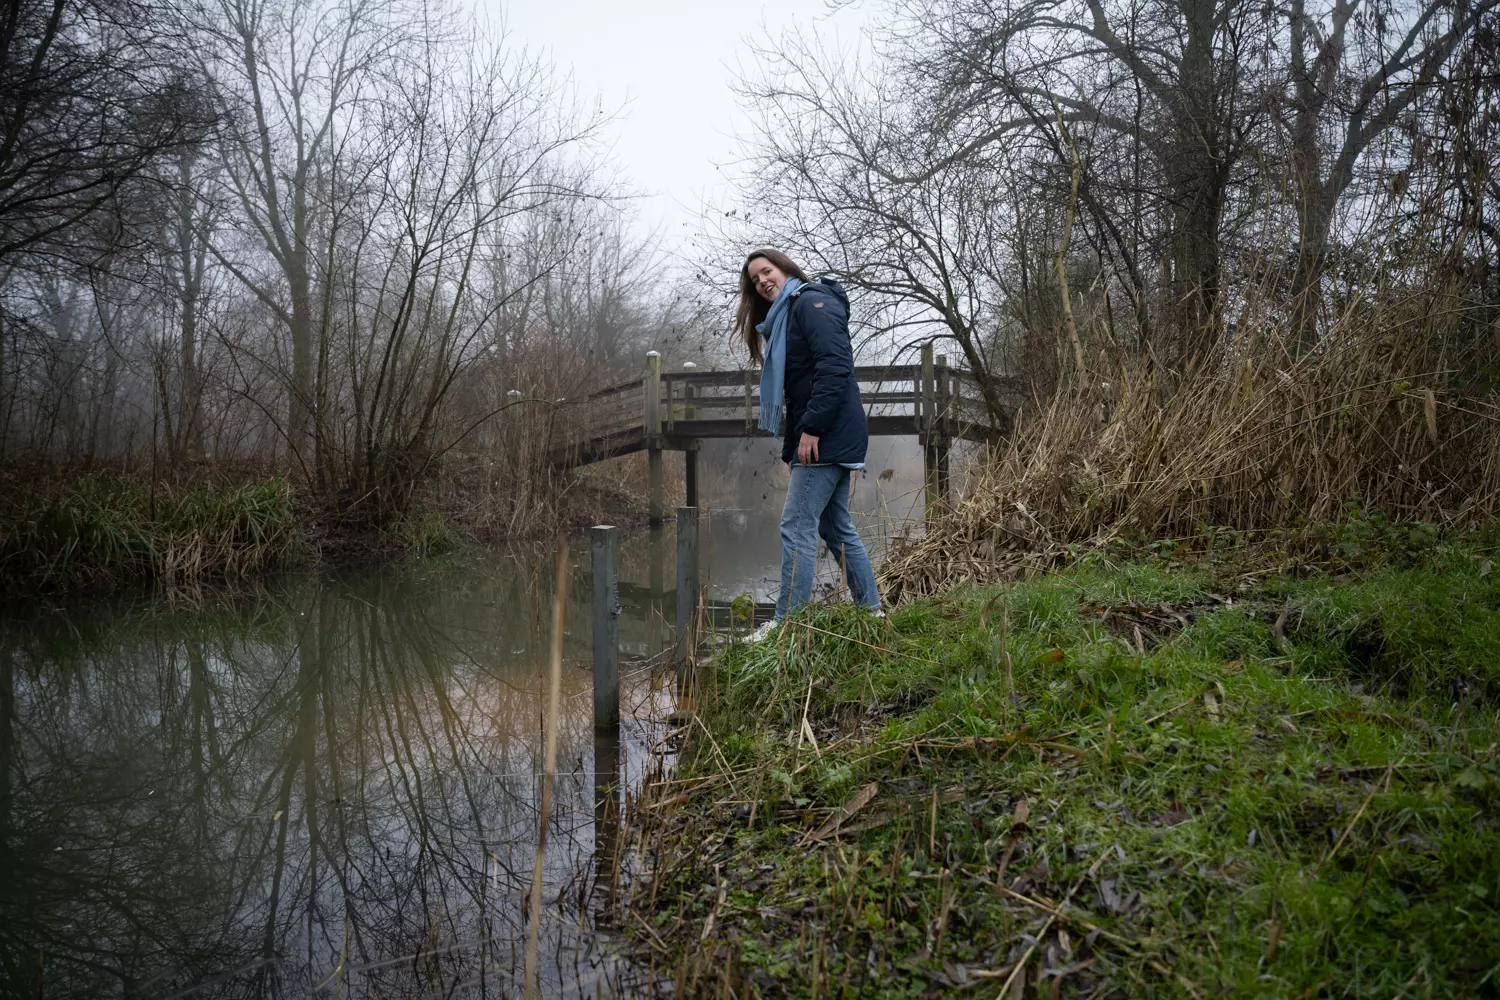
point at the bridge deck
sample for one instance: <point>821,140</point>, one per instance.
<point>670,411</point>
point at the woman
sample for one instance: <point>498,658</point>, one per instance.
<point>808,362</point>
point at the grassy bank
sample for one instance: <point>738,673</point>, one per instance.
<point>100,532</point>
<point>63,531</point>
<point>1123,780</point>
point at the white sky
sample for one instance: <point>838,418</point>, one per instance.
<point>669,67</point>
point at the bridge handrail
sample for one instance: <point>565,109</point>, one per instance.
<point>736,378</point>
<point>615,412</point>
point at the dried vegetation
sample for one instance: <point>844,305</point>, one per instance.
<point>1396,410</point>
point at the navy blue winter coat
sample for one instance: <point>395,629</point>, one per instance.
<point>822,397</point>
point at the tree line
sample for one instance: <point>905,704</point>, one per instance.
<point>345,237</point>
<point>1054,186</point>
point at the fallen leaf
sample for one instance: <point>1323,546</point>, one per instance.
<point>1213,705</point>
<point>858,801</point>
<point>1172,817</point>
<point>868,823</point>
<point>1114,900</point>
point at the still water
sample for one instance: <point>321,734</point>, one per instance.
<point>328,785</point>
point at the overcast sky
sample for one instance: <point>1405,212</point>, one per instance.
<point>669,66</point>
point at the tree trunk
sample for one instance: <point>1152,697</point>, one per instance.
<point>299,412</point>
<point>1314,223</point>
<point>1197,187</point>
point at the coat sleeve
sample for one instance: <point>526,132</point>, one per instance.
<point>826,327</point>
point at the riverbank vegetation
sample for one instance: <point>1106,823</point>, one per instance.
<point>371,250</point>
<point>1396,412</point>
<point>1141,778</point>
<point>97,532</point>
<point>93,532</point>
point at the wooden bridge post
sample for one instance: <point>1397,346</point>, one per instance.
<point>749,420</point>
<point>690,451</point>
<point>652,386</point>
<point>927,429</point>
<point>942,437</point>
<point>604,542</point>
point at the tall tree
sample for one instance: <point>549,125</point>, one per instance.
<point>90,94</point>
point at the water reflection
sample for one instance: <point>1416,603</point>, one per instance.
<point>329,786</point>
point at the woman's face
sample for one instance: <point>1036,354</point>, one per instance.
<point>766,277</point>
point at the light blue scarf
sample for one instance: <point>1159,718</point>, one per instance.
<point>773,373</point>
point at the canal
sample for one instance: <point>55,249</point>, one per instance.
<point>327,785</point>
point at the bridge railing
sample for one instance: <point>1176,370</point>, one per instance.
<point>695,396</point>
<point>584,425</point>
<point>942,402</point>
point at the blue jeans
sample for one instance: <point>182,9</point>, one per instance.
<point>817,503</point>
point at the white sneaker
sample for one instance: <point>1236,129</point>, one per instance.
<point>765,631</point>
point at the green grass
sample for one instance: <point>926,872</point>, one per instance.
<point>1281,788</point>
<point>426,535</point>
<point>102,531</point>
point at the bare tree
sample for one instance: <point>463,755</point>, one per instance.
<point>1352,79</point>
<point>287,77</point>
<point>1003,158</point>
<point>89,96</point>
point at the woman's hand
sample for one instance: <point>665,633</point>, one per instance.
<point>807,449</point>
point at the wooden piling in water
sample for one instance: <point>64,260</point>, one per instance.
<point>604,543</point>
<point>687,580</point>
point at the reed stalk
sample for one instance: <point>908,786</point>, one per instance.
<point>549,766</point>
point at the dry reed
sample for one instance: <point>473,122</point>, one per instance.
<point>1394,411</point>
<point>549,765</point>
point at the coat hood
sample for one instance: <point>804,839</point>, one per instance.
<point>828,286</point>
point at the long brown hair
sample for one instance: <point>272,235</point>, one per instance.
<point>752,308</point>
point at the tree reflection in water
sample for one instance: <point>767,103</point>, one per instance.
<point>327,788</point>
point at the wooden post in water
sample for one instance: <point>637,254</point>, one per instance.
<point>687,580</point>
<point>604,543</point>
<point>653,437</point>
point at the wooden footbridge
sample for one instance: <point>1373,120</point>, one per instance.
<point>673,411</point>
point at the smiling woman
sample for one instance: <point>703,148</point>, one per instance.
<point>799,330</point>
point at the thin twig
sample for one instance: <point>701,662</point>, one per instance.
<point>1016,970</point>
<point>1363,806</point>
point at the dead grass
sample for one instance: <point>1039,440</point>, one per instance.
<point>1396,411</point>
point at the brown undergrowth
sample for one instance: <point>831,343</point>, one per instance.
<point>1396,411</point>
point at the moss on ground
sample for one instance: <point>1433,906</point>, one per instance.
<point>1136,780</point>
